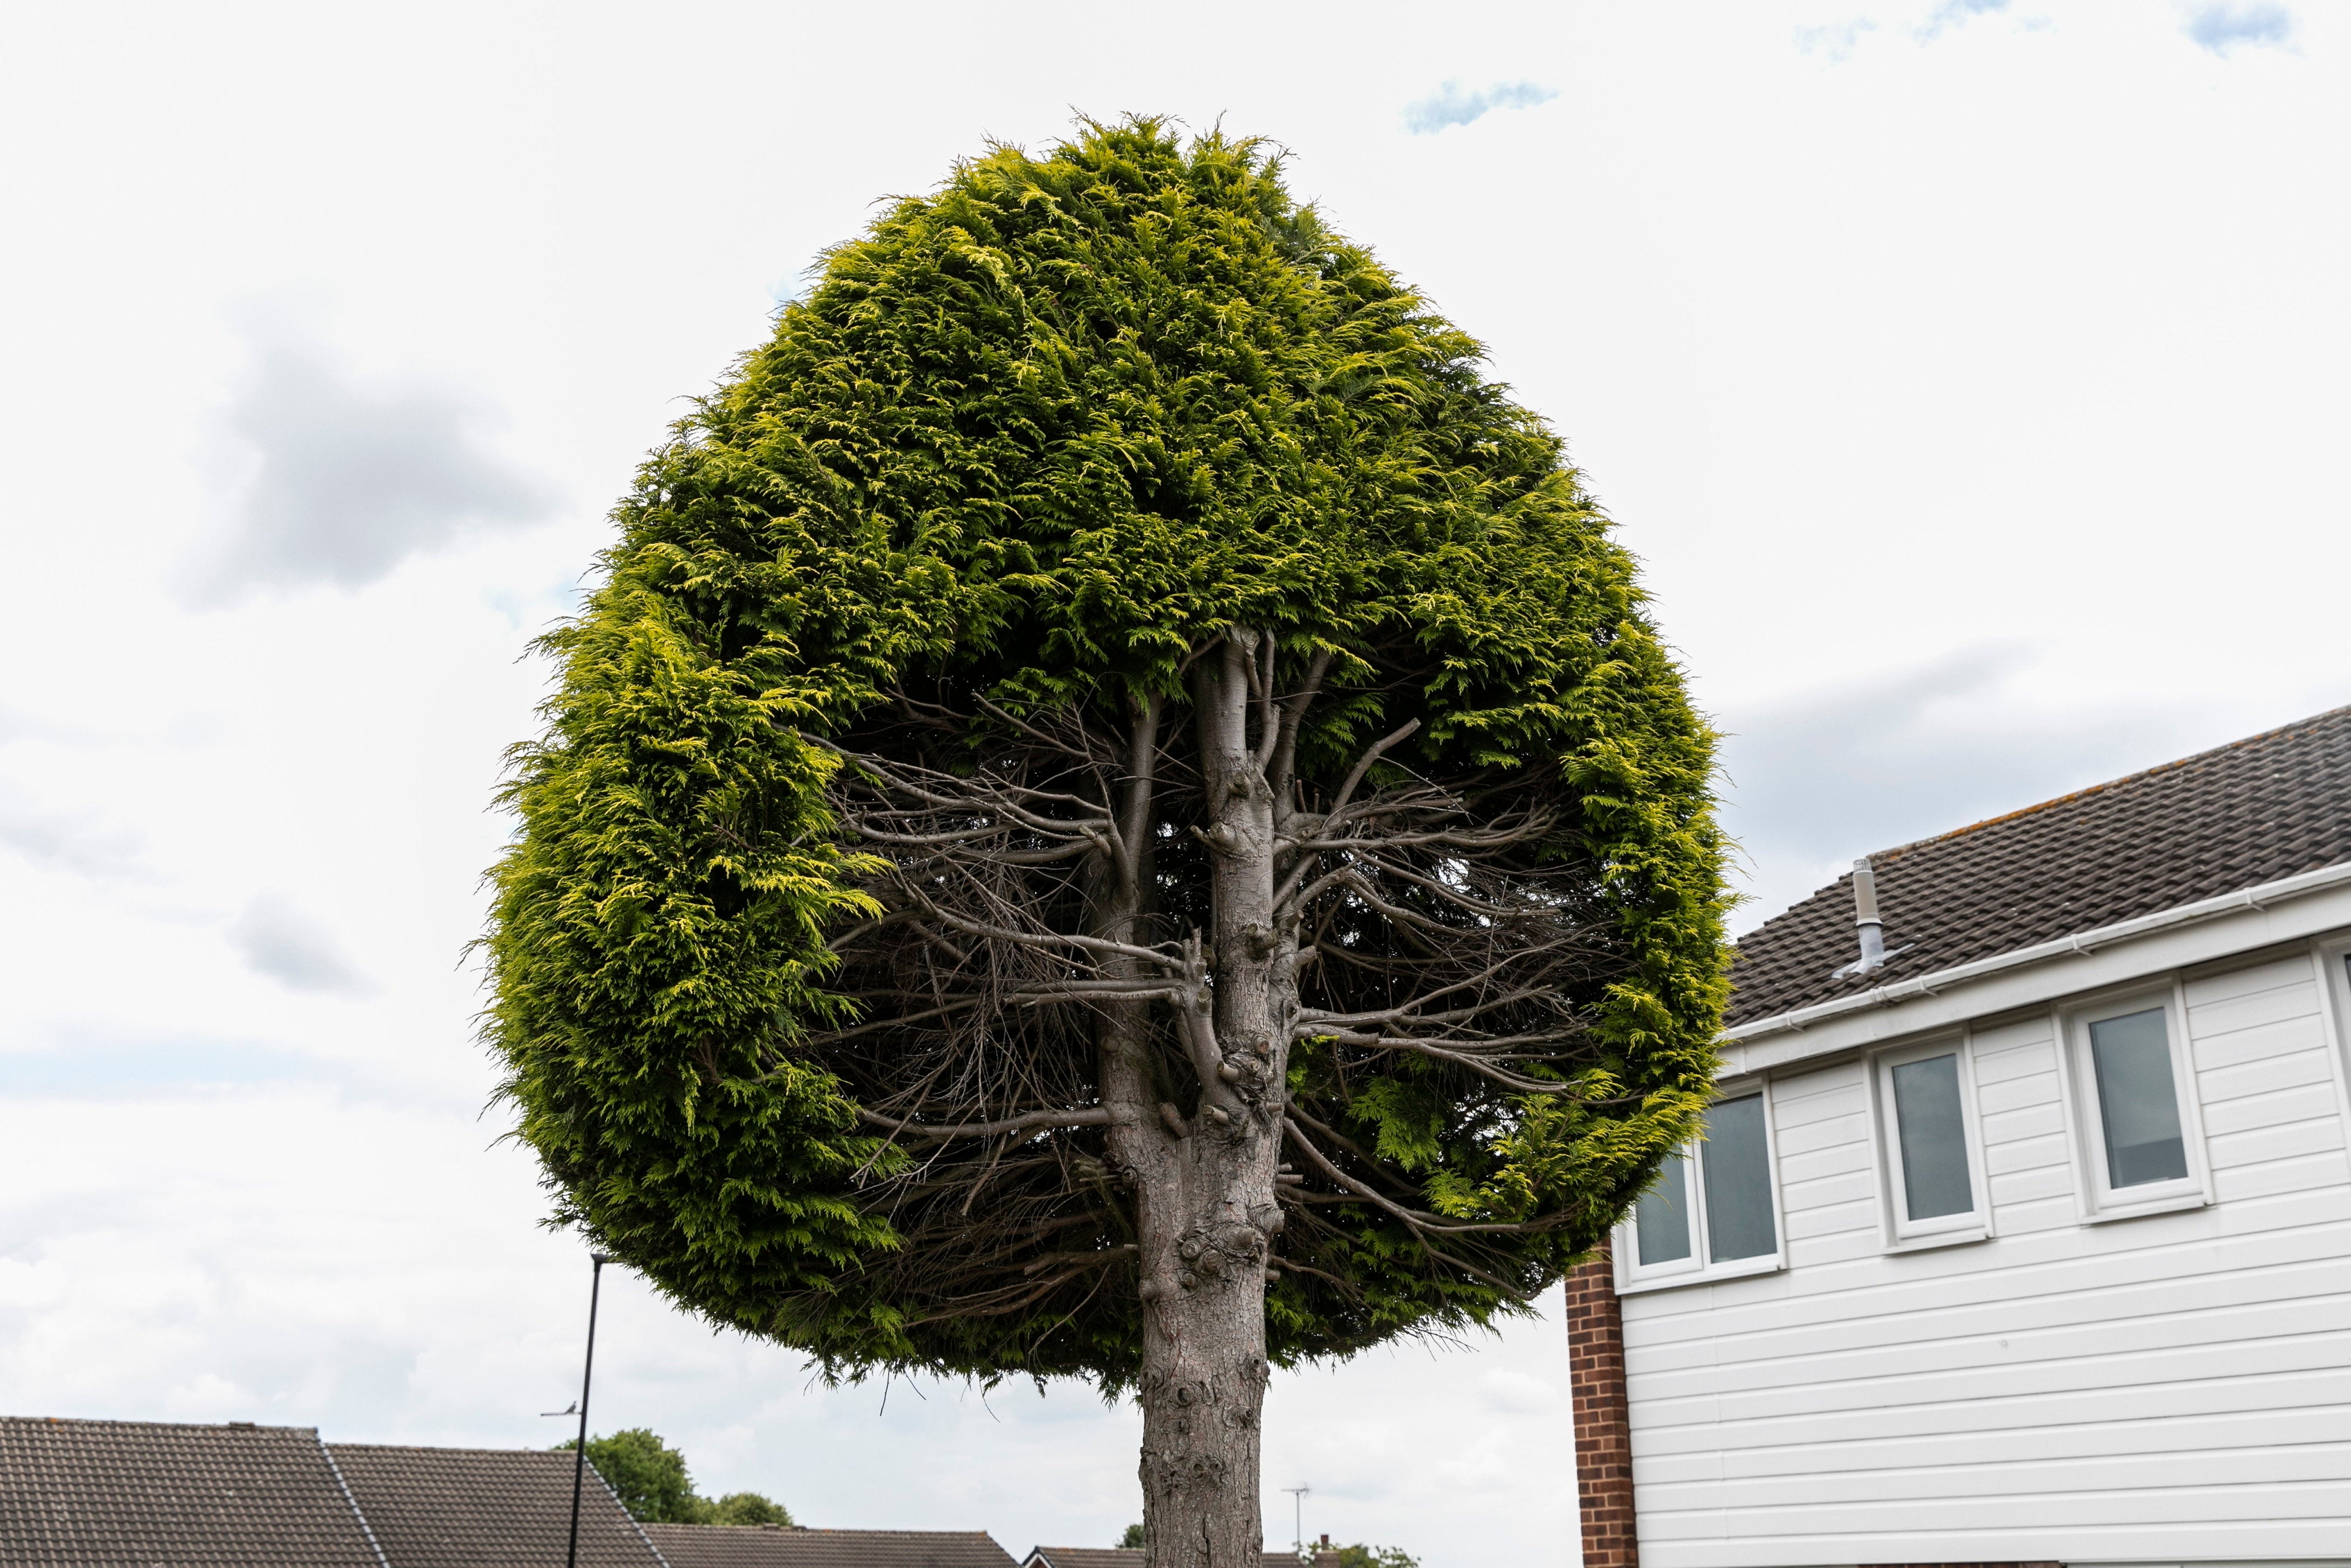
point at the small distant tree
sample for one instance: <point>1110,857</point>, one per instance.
<point>743,1508</point>
<point>1361,1556</point>
<point>652,1481</point>
<point>1131,1538</point>
<point>646,1474</point>
<point>1116,812</point>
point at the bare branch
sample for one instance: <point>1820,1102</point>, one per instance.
<point>1036,1121</point>
<point>1364,763</point>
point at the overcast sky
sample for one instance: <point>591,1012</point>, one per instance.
<point>1969,376</point>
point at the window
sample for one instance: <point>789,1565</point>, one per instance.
<point>1736,1160</point>
<point>2138,1104</point>
<point>1933,1162</point>
<point>2135,1120</point>
<point>1712,1212</point>
<point>1663,1218</point>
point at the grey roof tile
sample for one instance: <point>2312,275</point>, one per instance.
<point>1118,1557</point>
<point>745,1546</point>
<point>134,1494</point>
<point>2270,806</point>
<point>486,1508</point>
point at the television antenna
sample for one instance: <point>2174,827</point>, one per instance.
<point>1298,1524</point>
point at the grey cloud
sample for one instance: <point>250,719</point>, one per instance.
<point>1814,782</point>
<point>351,479</point>
<point>281,942</point>
<point>2225,27</point>
<point>68,842</point>
<point>1453,104</point>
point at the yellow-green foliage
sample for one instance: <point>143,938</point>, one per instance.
<point>1036,435</point>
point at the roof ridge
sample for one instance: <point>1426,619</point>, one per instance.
<point>444,1449</point>
<point>2088,789</point>
<point>164,1426</point>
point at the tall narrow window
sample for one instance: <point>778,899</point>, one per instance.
<point>2138,1102</point>
<point>1738,1165</point>
<point>1932,1162</point>
<point>1931,1127</point>
<point>1711,1212</point>
<point>1662,1218</point>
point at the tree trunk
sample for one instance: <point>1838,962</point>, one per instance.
<point>1204,1183</point>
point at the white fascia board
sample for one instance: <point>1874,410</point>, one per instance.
<point>2291,909</point>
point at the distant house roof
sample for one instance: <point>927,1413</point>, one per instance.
<point>1117,1557</point>
<point>470,1508</point>
<point>2271,805</point>
<point>132,1494</point>
<point>764,1546</point>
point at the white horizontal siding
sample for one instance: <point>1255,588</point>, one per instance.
<point>2173,1387</point>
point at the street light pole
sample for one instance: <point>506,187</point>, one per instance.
<point>1298,1501</point>
<point>586,1376</point>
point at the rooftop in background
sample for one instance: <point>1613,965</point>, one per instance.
<point>2272,806</point>
<point>459,1508</point>
<point>761,1546</point>
<point>129,1494</point>
<point>1121,1557</point>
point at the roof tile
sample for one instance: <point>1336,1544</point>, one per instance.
<point>131,1494</point>
<point>2271,805</point>
<point>472,1508</point>
<point>758,1546</point>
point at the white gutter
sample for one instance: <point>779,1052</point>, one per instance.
<point>2252,898</point>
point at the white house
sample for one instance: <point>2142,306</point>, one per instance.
<point>2030,1242</point>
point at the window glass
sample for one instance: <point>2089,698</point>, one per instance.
<point>2138,1106</point>
<point>1661,1219</point>
<point>1738,1168</point>
<point>1934,1138</point>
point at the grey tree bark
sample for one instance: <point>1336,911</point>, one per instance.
<point>1191,1029</point>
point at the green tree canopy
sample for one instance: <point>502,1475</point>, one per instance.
<point>646,1474</point>
<point>651,1479</point>
<point>1112,779</point>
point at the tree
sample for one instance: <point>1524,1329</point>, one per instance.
<point>651,1479</point>
<point>743,1508</point>
<point>1115,813</point>
<point>1361,1556</point>
<point>1131,1538</point>
<point>646,1474</point>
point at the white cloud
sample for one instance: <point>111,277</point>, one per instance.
<point>2231,24</point>
<point>1833,41</point>
<point>1453,104</point>
<point>1950,13</point>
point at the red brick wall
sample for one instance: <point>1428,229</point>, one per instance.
<point>1604,1429</point>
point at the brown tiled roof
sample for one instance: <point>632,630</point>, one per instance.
<point>131,1494</point>
<point>477,1508</point>
<point>2268,807</point>
<point>758,1546</point>
<point>1117,1557</point>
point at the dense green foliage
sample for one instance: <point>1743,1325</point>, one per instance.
<point>651,1479</point>
<point>1363,1556</point>
<point>1032,438</point>
<point>646,1474</point>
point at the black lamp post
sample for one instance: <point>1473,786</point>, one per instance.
<point>587,1375</point>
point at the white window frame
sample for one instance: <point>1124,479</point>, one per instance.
<point>1698,1267</point>
<point>1900,1233</point>
<point>2098,1200</point>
